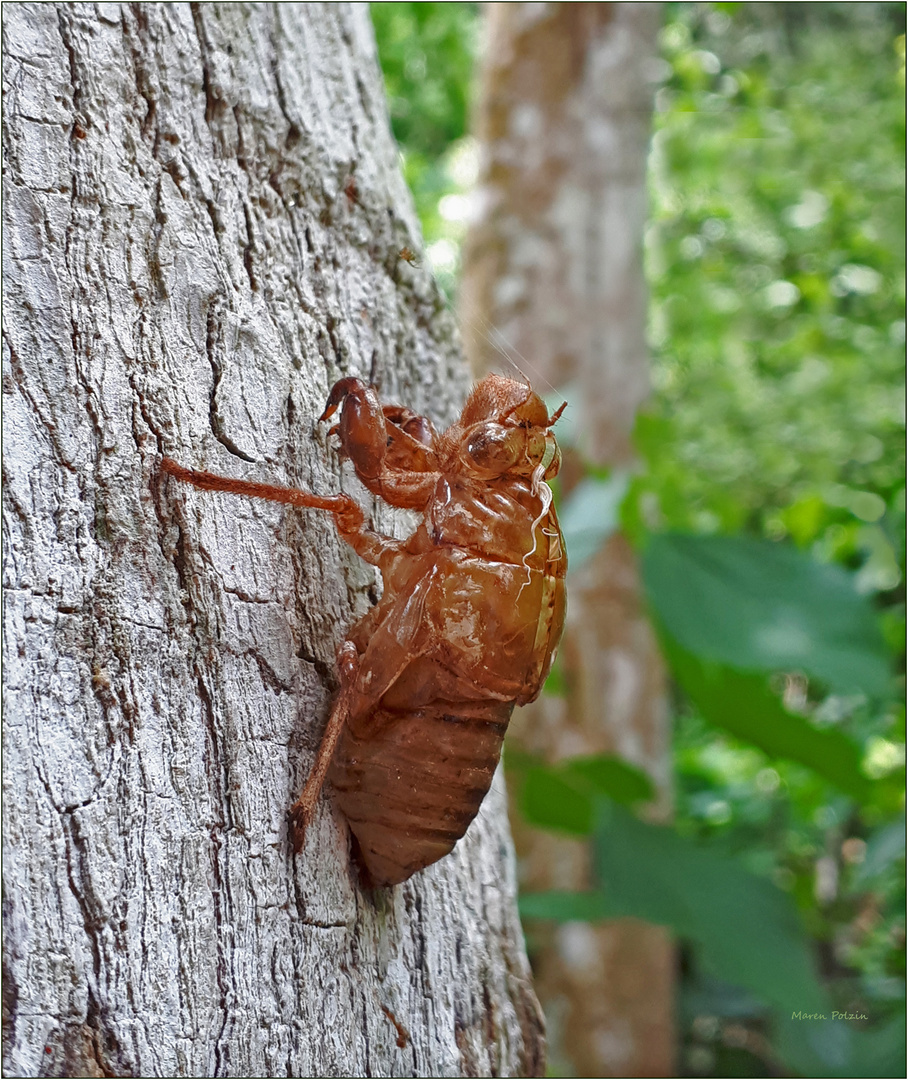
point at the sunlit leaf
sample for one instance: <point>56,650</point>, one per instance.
<point>564,906</point>
<point>748,929</point>
<point>760,606</point>
<point>550,801</point>
<point>609,775</point>
<point>743,704</point>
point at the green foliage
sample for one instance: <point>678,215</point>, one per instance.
<point>743,704</point>
<point>762,606</point>
<point>427,53</point>
<point>551,801</point>
<point>747,930</point>
<point>775,257</point>
<point>651,872</point>
<point>563,797</point>
<point>775,254</point>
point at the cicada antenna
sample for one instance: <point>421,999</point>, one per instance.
<point>485,330</point>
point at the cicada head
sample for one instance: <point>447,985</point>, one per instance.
<point>505,429</point>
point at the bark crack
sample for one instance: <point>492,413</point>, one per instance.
<point>270,677</point>
<point>143,82</point>
<point>216,422</point>
<point>249,246</point>
<point>247,598</point>
<point>154,260</point>
<point>66,38</point>
<point>220,824</point>
<point>214,103</point>
<point>46,422</point>
<point>367,1067</point>
<point>142,405</point>
<point>326,672</point>
<point>90,907</point>
<point>403,1036</point>
<point>293,132</point>
<point>65,809</point>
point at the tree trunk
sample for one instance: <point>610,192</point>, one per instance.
<point>203,211</point>
<point>553,268</point>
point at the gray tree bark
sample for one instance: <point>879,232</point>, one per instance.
<point>188,269</point>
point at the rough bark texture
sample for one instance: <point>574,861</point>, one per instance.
<point>554,265</point>
<point>188,269</point>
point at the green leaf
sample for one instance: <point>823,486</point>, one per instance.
<point>609,775</point>
<point>742,703</point>
<point>884,847</point>
<point>881,1052</point>
<point>550,801</point>
<point>805,518</point>
<point>844,1050</point>
<point>700,994</point>
<point>747,929</point>
<point>564,906</point>
<point>562,796</point>
<point>759,606</point>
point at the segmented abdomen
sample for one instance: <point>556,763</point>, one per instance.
<point>410,790</point>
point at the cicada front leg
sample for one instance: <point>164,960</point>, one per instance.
<point>391,448</point>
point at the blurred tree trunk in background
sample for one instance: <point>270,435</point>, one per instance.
<point>189,265</point>
<point>553,263</point>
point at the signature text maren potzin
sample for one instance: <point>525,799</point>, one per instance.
<point>822,1016</point>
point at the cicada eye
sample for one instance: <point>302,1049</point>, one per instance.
<point>492,448</point>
